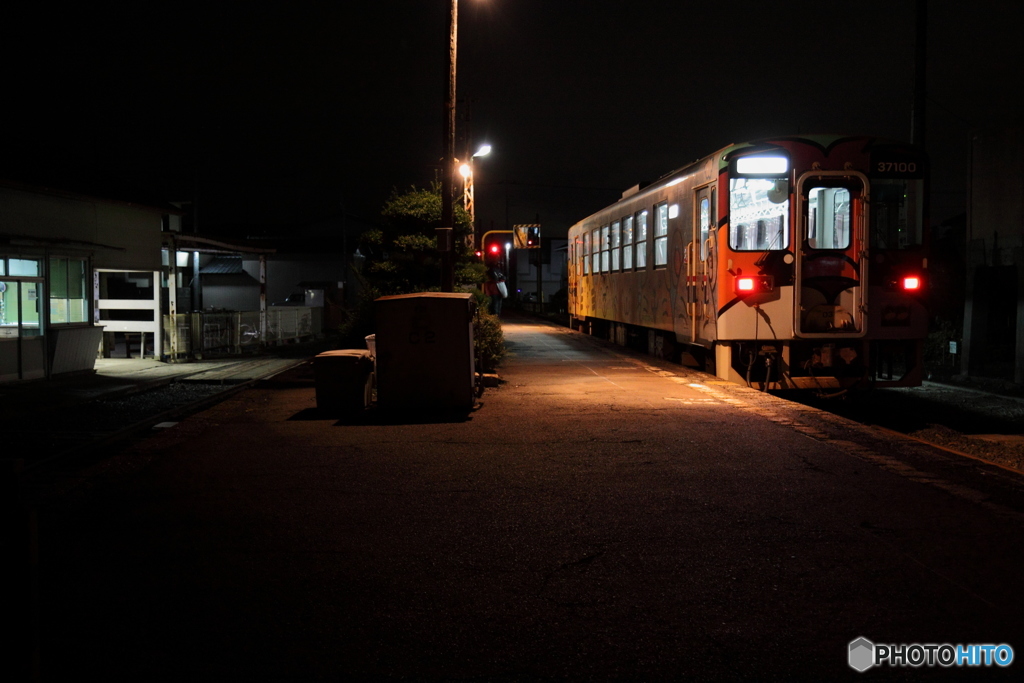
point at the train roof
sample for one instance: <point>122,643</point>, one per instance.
<point>721,158</point>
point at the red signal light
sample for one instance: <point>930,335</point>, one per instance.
<point>911,283</point>
<point>495,249</point>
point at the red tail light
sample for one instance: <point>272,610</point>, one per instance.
<point>911,283</point>
<point>753,284</point>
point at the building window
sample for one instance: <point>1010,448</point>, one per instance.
<point>641,239</point>
<point>68,301</point>
<point>661,235</point>
<point>627,243</point>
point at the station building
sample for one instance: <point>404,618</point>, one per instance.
<point>60,255</point>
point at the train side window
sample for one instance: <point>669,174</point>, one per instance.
<point>661,235</point>
<point>595,251</point>
<point>627,243</point>
<point>605,241</point>
<point>586,253</point>
<point>705,227</point>
<point>616,246</point>
<point>641,239</point>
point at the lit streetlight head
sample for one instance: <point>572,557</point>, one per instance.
<point>483,151</point>
<point>465,170</point>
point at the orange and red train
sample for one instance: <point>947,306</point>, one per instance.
<point>787,263</point>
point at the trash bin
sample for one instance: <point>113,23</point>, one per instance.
<point>424,351</point>
<point>344,380</point>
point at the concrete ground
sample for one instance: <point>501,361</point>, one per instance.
<point>600,516</point>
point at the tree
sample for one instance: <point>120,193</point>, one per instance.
<point>402,256</point>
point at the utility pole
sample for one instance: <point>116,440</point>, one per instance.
<point>917,122</point>
<point>445,233</point>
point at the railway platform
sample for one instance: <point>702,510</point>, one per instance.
<point>601,516</point>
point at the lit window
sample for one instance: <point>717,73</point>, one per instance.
<point>616,245</point>
<point>758,214</point>
<point>605,241</point>
<point>641,239</point>
<point>828,218</point>
<point>627,243</point>
<point>586,253</point>
<point>661,235</point>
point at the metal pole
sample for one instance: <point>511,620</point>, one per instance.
<point>917,123</point>
<point>444,236</point>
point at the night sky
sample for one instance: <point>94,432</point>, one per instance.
<point>276,114</point>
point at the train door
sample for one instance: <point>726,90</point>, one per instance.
<point>700,261</point>
<point>831,263</point>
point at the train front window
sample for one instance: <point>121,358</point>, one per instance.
<point>828,218</point>
<point>758,214</point>
<point>897,213</point>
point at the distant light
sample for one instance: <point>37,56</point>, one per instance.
<point>483,151</point>
<point>912,282</point>
<point>465,170</point>
<point>508,245</point>
<point>762,165</point>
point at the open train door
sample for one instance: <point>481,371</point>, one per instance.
<point>831,263</point>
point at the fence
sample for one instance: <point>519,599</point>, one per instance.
<point>227,333</point>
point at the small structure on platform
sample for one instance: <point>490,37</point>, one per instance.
<point>344,381</point>
<point>424,346</point>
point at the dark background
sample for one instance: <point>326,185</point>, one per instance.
<point>280,114</point>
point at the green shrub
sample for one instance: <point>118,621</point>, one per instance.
<point>488,340</point>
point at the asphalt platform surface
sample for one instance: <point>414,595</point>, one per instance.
<point>599,516</point>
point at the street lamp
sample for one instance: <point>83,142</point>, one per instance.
<point>466,171</point>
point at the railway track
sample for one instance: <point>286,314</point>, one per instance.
<point>970,422</point>
<point>60,441</point>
